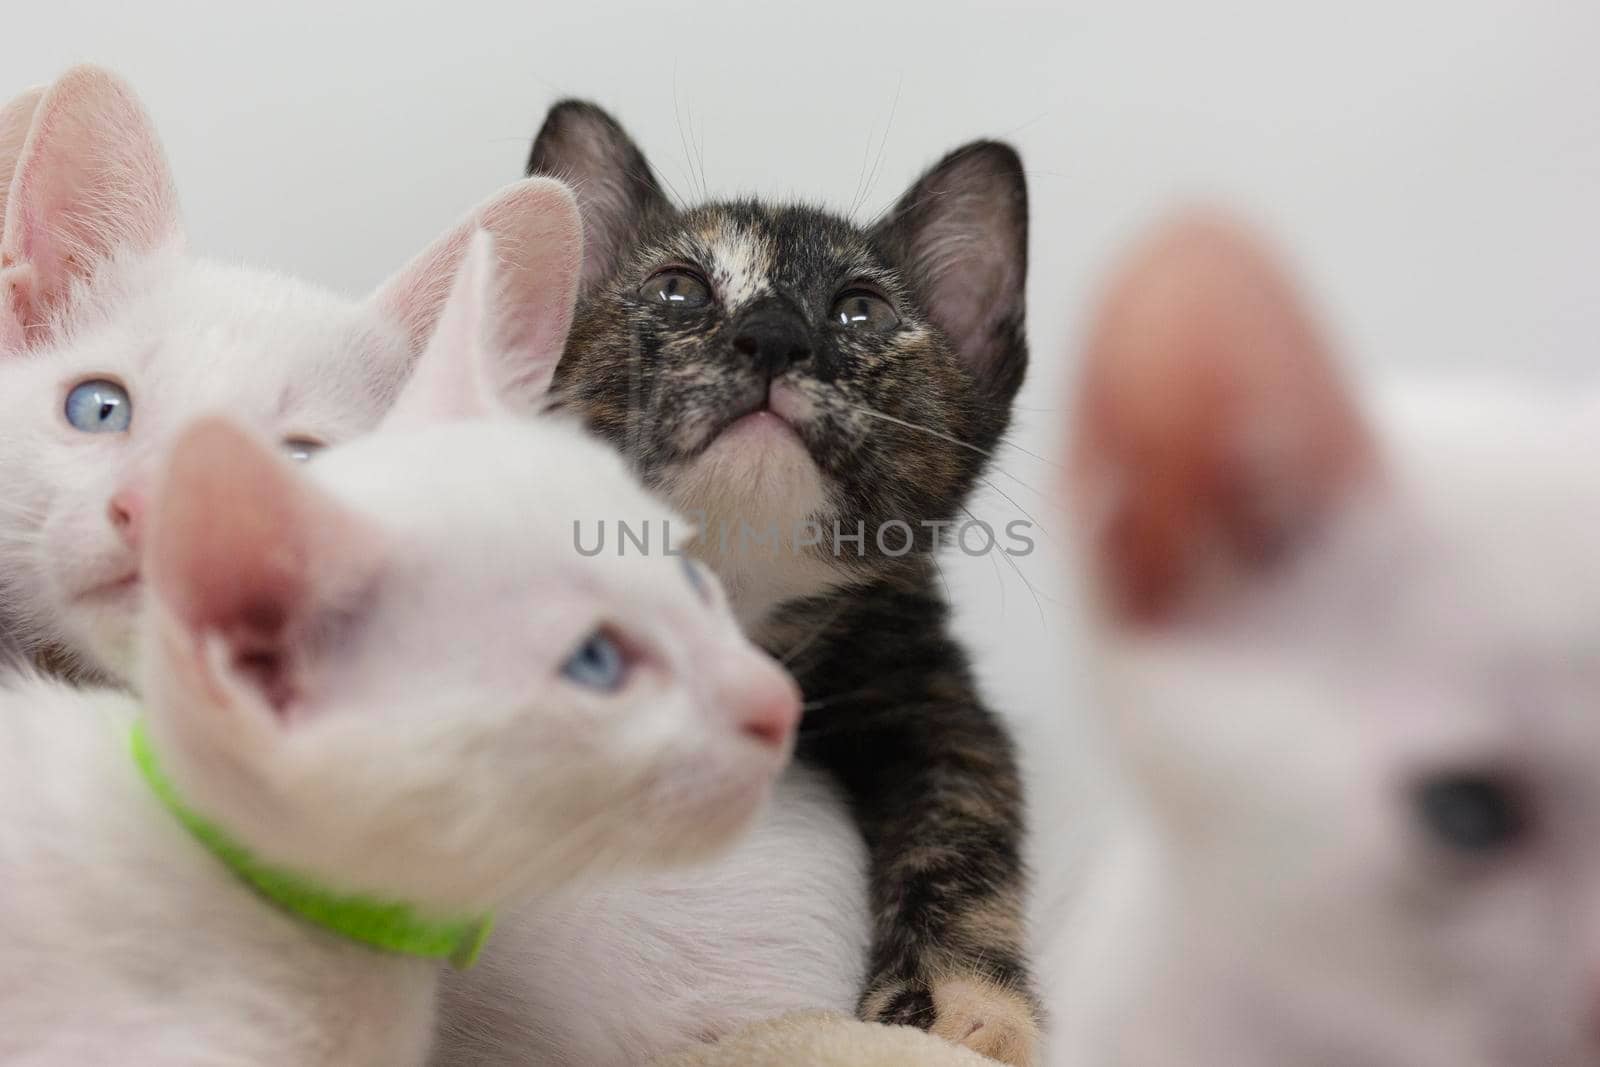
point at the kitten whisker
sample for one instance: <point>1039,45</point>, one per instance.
<point>933,557</point>
<point>872,178</point>
<point>789,657</point>
<point>861,178</point>
<point>999,580</point>
<point>683,139</point>
<point>828,701</point>
<point>1010,500</point>
<point>874,413</point>
<point>700,147</point>
<point>868,178</point>
<point>1032,591</point>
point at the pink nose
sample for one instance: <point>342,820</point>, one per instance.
<point>769,706</point>
<point>126,513</point>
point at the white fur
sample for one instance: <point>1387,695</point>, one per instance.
<point>402,728</point>
<point>626,973</point>
<point>741,263</point>
<point>185,338</point>
<point>632,971</point>
<point>126,943</point>
<point>1256,888</point>
<point>98,285</point>
<point>751,495</point>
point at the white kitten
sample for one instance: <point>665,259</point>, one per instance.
<point>112,337</point>
<point>1351,678</point>
<point>396,678</point>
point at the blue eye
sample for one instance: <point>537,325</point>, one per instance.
<point>599,664</point>
<point>99,406</point>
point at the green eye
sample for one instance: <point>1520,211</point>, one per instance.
<point>858,309</point>
<point>676,288</point>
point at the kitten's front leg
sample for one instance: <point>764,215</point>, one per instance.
<point>934,782</point>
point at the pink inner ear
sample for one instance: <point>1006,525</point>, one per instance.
<point>539,244</point>
<point>243,547</point>
<point>91,179</point>
<point>1212,431</point>
<point>16,120</point>
<point>448,382</point>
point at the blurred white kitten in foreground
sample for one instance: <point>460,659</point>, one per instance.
<point>1350,669</point>
<point>113,336</point>
<point>389,679</point>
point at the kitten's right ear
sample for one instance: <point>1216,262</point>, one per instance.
<point>616,189</point>
<point>1212,433</point>
<point>90,180</point>
<point>16,119</point>
<point>248,556</point>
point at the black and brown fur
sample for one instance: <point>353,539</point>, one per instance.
<point>901,423</point>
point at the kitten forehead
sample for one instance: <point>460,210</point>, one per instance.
<point>753,249</point>
<point>740,260</point>
<point>544,477</point>
<point>204,331</point>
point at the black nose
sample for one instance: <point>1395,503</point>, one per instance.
<point>772,340</point>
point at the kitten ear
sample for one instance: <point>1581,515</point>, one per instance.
<point>452,377</point>
<point>247,555</point>
<point>961,234</point>
<point>616,189</point>
<point>493,344</point>
<point>90,180</point>
<point>16,119</point>
<point>540,248</point>
<point>1212,433</point>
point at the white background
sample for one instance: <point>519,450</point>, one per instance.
<point>1431,168</point>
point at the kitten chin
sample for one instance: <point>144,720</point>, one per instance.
<point>758,503</point>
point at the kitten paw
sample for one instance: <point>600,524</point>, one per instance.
<point>986,1017</point>
<point>968,1010</point>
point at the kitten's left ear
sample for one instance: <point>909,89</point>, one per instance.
<point>468,369</point>
<point>538,242</point>
<point>504,326</point>
<point>962,234</point>
<point>453,377</point>
<point>249,559</point>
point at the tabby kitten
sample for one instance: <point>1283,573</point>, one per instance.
<point>822,397</point>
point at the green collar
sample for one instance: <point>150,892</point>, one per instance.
<point>382,924</point>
